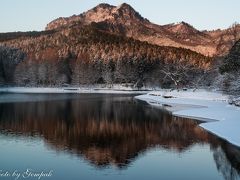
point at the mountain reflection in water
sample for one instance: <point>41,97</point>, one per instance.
<point>112,130</point>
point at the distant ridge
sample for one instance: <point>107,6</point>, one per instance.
<point>124,20</point>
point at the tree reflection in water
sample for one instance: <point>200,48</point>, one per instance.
<point>112,130</point>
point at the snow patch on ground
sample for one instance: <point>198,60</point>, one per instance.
<point>221,118</point>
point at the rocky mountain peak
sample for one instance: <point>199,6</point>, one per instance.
<point>103,6</point>
<point>125,7</point>
<point>126,10</point>
<point>100,13</point>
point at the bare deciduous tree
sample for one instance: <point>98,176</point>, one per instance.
<point>176,72</point>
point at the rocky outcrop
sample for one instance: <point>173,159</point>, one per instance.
<point>126,21</point>
<point>103,12</point>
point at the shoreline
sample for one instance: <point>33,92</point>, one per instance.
<point>212,108</point>
<point>71,90</point>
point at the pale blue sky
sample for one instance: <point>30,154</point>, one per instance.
<point>28,15</point>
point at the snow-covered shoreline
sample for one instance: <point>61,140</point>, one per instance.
<point>220,118</point>
<point>80,90</point>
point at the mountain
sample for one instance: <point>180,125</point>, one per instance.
<point>126,21</point>
<point>123,14</point>
<point>112,44</point>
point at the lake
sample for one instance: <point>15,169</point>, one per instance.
<point>97,136</point>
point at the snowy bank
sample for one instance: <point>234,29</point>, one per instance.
<point>71,90</point>
<point>220,118</point>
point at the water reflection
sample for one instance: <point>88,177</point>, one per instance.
<point>112,130</point>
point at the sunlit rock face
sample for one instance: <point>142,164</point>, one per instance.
<point>123,19</point>
<point>109,131</point>
<point>122,14</point>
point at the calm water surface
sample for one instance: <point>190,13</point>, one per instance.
<point>107,137</point>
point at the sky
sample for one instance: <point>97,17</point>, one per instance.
<point>29,15</point>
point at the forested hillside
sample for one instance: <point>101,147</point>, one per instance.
<point>230,70</point>
<point>88,55</point>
